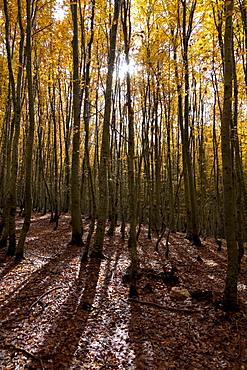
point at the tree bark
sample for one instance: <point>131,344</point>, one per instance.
<point>76,219</point>
<point>10,202</point>
<point>104,155</point>
<point>30,138</point>
<point>230,293</point>
<point>131,148</point>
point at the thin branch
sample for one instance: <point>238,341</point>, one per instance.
<point>25,352</point>
<point>43,295</point>
<point>165,307</point>
<point>42,29</point>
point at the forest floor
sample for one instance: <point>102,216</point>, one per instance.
<point>59,313</point>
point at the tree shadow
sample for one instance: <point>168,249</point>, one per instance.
<point>104,319</point>
<point>37,284</point>
<point>139,337</point>
<point>156,340</point>
<point>10,265</point>
<point>63,336</point>
<point>69,346</point>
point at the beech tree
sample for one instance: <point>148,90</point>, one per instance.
<point>30,137</point>
<point>126,23</point>
<point>104,154</point>
<point>230,293</point>
<point>75,193</point>
<point>86,117</point>
<point>8,220</point>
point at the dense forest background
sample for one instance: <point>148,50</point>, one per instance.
<point>127,112</point>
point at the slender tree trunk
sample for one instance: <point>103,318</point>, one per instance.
<point>230,293</point>
<point>187,161</point>
<point>104,155</point>
<point>10,200</point>
<point>54,205</point>
<point>113,182</point>
<point>30,139</point>
<point>76,220</point>
<point>239,183</point>
<point>131,147</point>
<point>169,167</point>
<point>158,162</point>
<point>86,115</point>
<point>67,134</point>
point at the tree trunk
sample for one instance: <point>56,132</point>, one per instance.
<point>187,161</point>
<point>10,202</point>
<point>131,146</point>
<point>230,293</point>
<point>30,139</point>
<point>104,155</point>
<point>86,116</point>
<point>76,220</point>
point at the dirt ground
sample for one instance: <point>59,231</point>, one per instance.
<point>59,313</point>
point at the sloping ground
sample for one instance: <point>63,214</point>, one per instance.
<point>58,313</point>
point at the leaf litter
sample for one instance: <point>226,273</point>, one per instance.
<point>59,313</point>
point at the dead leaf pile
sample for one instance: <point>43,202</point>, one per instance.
<point>59,313</point>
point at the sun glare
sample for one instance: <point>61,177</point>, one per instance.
<point>59,10</point>
<point>123,68</point>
